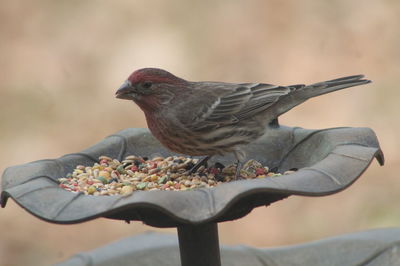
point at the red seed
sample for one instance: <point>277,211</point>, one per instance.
<point>134,168</point>
<point>214,171</point>
<point>260,171</point>
<point>165,186</point>
<point>90,182</point>
<point>152,165</point>
<point>104,162</point>
<point>177,186</point>
<point>116,172</point>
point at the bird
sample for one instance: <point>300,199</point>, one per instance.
<point>210,118</point>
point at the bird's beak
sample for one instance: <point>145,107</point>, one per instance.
<point>126,91</point>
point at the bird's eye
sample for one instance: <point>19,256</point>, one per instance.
<point>147,85</point>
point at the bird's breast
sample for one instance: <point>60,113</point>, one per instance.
<point>178,138</point>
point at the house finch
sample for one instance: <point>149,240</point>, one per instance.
<point>209,118</point>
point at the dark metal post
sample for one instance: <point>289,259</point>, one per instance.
<point>199,245</point>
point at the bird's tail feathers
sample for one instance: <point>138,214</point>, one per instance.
<point>324,87</point>
<point>301,93</point>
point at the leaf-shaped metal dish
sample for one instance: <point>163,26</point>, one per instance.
<point>329,160</point>
<point>367,248</point>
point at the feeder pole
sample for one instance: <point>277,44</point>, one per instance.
<point>199,245</point>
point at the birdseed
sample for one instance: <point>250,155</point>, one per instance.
<point>111,177</point>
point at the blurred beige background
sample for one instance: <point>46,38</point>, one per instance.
<point>61,62</point>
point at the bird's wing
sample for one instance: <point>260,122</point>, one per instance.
<point>262,97</point>
<point>240,102</point>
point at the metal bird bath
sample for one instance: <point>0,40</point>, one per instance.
<point>329,160</point>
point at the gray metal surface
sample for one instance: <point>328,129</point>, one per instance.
<point>370,248</point>
<point>328,160</point>
<point>199,245</point>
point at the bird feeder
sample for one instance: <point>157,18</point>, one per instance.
<point>328,161</point>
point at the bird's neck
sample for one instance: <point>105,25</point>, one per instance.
<point>153,123</point>
<point>148,104</point>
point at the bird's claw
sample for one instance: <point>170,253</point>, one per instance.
<point>198,165</point>
<point>239,166</point>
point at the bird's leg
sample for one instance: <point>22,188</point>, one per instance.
<point>240,156</point>
<point>198,164</point>
<point>239,166</point>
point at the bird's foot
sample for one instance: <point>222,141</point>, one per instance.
<point>239,166</point>
<point>198,165</point>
